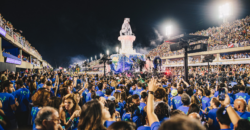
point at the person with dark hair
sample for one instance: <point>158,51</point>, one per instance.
<point>99,92</point>
<point>185,99</point>
<point>132,114</point>
<point>92,116</point>
<point>189,91</point>
<point>176,101</point>
<point>111,108</point>
<point>9,103</point>
<point>162,112</point>
<point>223,118</point>
<point>193,108</point>
<point>213,123</point>
<point>22,95</point>
<point>69,112</point>
<point>176,112</point>
<point>243,124</point>
<point>138,90</point>
<point>108,93</point>
<point>132,88</point>
<point>48,119</point>
<point>206,100</point>
<point>242,94</point>
<point>122,125</point>
<point>159,95</point>
<point>136,99</point>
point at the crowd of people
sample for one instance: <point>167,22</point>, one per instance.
<point>228,35</point>
<point>16,35</point>
<point>56,100</point>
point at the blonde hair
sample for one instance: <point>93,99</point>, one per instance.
<point>248,106</point>
<point>117,96</point>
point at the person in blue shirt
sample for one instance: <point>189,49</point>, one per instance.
<point>132,88</point>
<point>99,92</point>
<point>144,97</point>
<point>9,103</point>
<point>108,93</point>
<point>88,95</point>
<point>117,89</point>
<point>185,99</point>
<point>206,100</point>
<point>176,101</point>
<point>179,122</point>
<point>130,114</point>
<point>242,94</point>
<point>138,90</point>
<point>43,81</point>
<point>22,95</point>
<point>162,112</point>
<point>212,121</point>
<point>113,114</point>
<point>223,119</point>
<point>240,106</point>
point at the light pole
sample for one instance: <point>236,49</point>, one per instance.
<point>95,57</point>
<point>224,11</point>
<point>100,55</point>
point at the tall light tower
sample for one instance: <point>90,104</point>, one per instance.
<point>224,12</point>
<point>108,52</point>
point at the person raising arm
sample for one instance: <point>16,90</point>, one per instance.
<point>152,118</point>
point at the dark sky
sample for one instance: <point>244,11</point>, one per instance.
<point>68,31</point>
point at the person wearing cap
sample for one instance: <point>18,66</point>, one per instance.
<point>176,101</point>
<point>185,99</point>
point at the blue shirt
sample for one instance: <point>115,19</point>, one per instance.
<point>243,115</point>
<point>136,119</point>
<point>212,115</point>
<point>155,125</point>
<point>39,86</point>
<point>242,95</point>
<point>138,92</point>
<point>176,102</point>
<point>216,93</point>
<point>22,96</point>
<point>205,102</point>
<point>7,100</point>
<point>108,123</point>
<point>99,93</point>
<point>34,112</point>
<point>141,106</point>
<point>184,109</point>
<point>144,128</point>
<point>88,97</point>
<point>131,91</point>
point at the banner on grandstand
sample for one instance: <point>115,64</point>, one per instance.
<point>2,32</point>
<point>231,45</point>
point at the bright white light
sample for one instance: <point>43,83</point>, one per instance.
<point>168,30</point>
<point>91,58</point>
<point>100,55</point>
<point>117,49</point>
<point>224,10</point>
<point>95,57</point>
<point>107,52</point>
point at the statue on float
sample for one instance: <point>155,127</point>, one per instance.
<point>126,29</point>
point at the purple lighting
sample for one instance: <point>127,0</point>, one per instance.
<point>13,61</point>
<point>2,31</point>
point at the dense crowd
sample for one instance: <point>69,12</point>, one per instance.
<point>228,35</point>
<point>55,100</point>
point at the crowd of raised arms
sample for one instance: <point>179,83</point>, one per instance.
<point>56,100</point>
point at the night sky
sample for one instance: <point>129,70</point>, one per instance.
<point>68,31</point>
